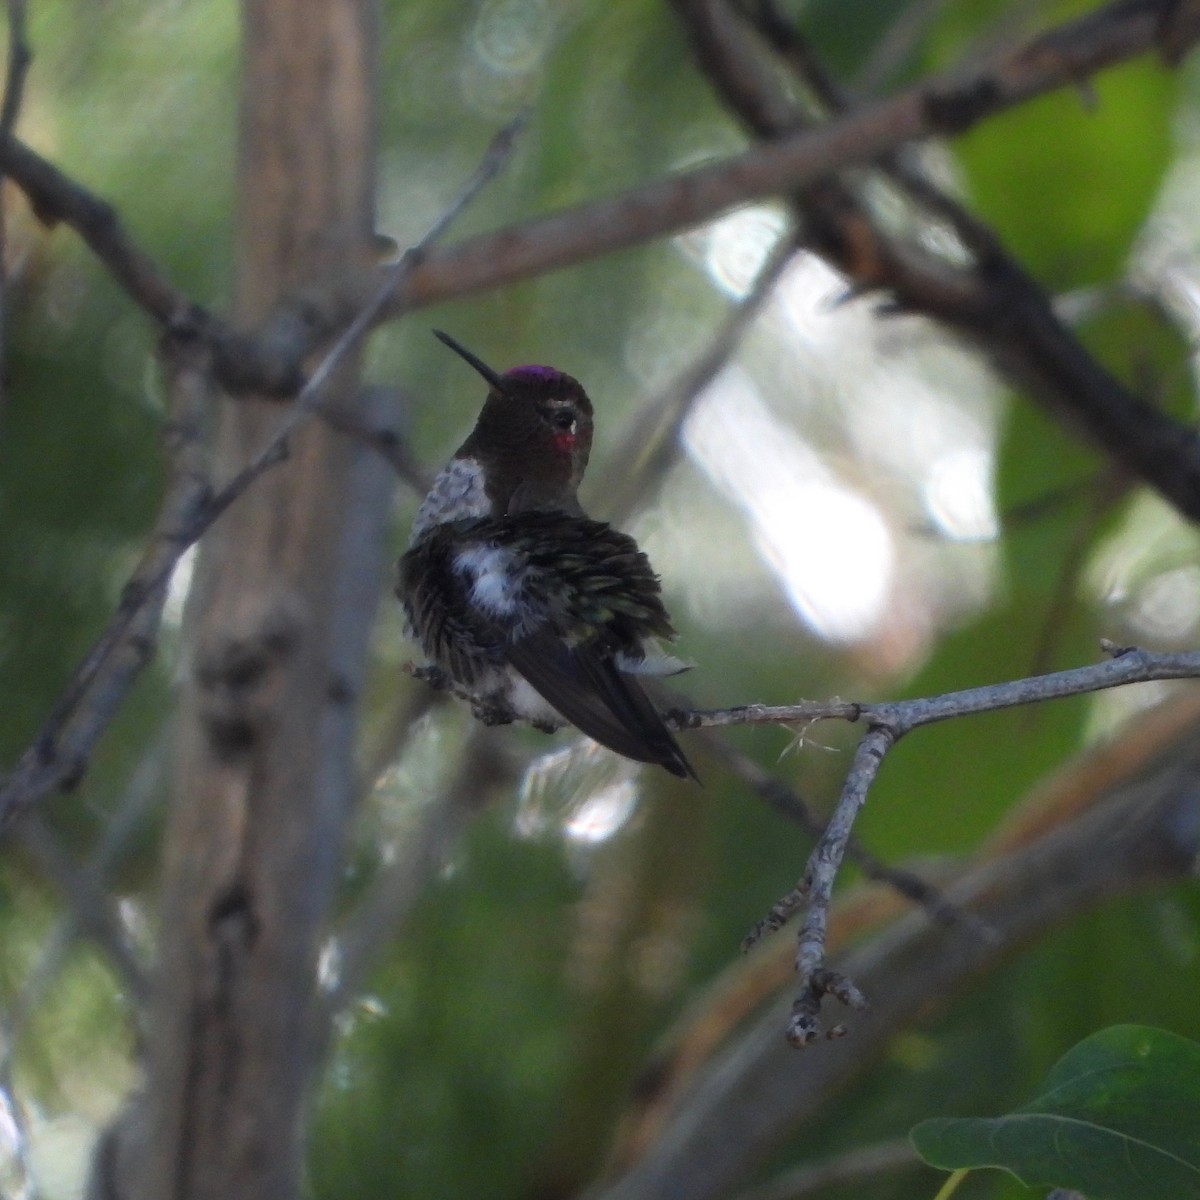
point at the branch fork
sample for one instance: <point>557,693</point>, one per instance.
<point>887,724</point>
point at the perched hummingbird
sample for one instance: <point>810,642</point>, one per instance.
<point>528,608</point>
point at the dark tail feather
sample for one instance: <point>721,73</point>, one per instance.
<point>589,691</point>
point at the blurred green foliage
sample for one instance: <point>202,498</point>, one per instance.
<point>503,1033</point>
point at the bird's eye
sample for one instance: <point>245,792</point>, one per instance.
<point>563,419</point>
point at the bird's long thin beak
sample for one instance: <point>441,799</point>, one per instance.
<point>491,376</point>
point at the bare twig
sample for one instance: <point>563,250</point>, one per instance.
<point>855,1166</point>
<point>819,877</point>
<point>14,91</point>
<point>1128,665</point>
<point>784,799</point>
<point>651,444</point>
<point>382,911</point>
<point>19,58</point>
<point>994,301</point>
<point>886,723</point>
<point>55,197</point>
<point>1140,830</point>
<point>60,752</point>
<point>186,517</point>
<point>92,910</point>
<point>80,917</point>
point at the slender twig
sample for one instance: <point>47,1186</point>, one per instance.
<point>77,919</point>
<point>651,444</point>
<point>817,887</point>
<point>92,910</point>
<point>1128,665</point>
<point>896,46</point>
<point>19,58</point>
<point>55,197</point>
<point>993,301</point>
<point>59,753</point>
<point>1140,829</point>
<point>44,766</point>
<point>886,723</point>
<point>14,91</point>
<point>854,1167</point>
<point>393,895</point>
<point>784,799</point>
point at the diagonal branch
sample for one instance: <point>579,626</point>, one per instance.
<point>994,301</point>
<point>944,105</point>
<point>59,753</point>
<point>650,445</point>
<point>1147,442</point>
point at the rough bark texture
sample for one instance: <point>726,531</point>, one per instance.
<point>262,787</point>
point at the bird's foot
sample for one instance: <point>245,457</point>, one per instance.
<point>491,711</point>
<point>433,675</point>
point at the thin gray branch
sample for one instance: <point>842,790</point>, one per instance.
<point>1128,665</point>
<point>92,910</point>
<point>780,796</point>
<point>886,723</point>
<point>142,793</point>
<point>1142,831</point>
<point>94,693</point>
<point>60,752</point>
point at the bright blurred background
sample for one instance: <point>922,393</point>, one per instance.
<point>859,507</point>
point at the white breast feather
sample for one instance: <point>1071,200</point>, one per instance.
<point>495,577</point>
<point>457,494</point>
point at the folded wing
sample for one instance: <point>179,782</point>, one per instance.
<point>585,686</point>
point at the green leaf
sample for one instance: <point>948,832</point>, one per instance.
<point>1119,1119</point>
<point>1033,172</point>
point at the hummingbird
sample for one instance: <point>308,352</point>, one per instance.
<point>524,605</point>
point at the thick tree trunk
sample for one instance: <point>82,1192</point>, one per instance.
<point>277,637</point>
